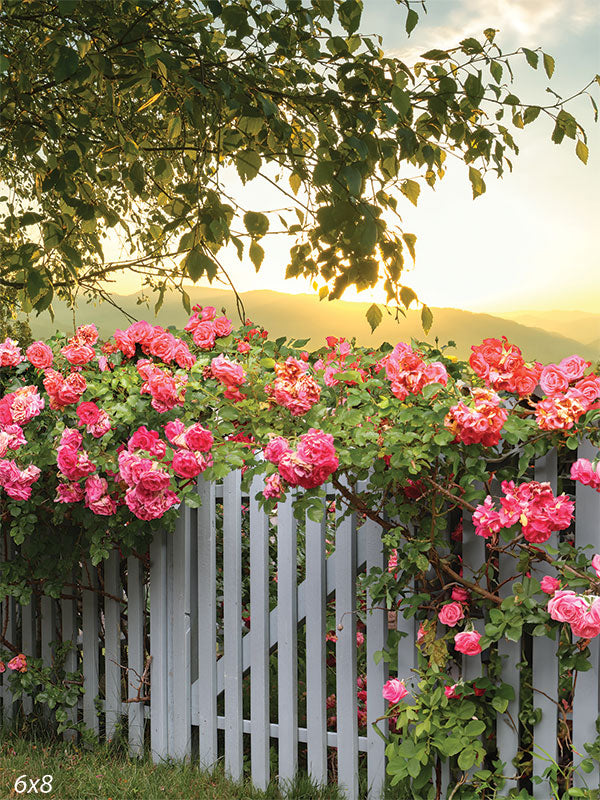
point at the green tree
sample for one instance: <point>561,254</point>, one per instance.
<point>124,115</point>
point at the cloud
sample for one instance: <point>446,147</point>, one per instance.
<point>520,22</point>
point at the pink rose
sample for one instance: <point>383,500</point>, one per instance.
<point>467,642</point>
<point>566,606</point>
<point>71,437</point>
<point>243,347</point>
<point>549,584</point>
<point>450,614</point>
<point>394,691</point>
<point>69,493</point>
<point>277,446</point>
<point>18,663</point>
<point>229,373</point>
<point>78,354</point>
<point>204,335</point>
<point>95,487</point>
<point>573,367</point>
<point>88,413</point>
<point>596,564</point>
<point>451,693</point>
<point>199,438</point>
<point>40,355</point>
<point>460,594</point>
<point>223,326</point>
<point>186,464</point>
<point>273,487</point>
<point>553,380</point>
<point>10,353</point>
<point>163,345</point>
<point>207,313</point>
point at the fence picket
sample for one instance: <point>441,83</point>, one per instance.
<point>29,639</point>
<point>48,627</point>
<point>232,625</point>
<point>69,631</point>
<point>316,684</point>
<point>90,646</point>
<point>473,553</point>
<point>9,609</point>
<point>135,655</point>
<point>112,643</point>
<point>507,724</point>
<point>159,703</point>
<point>259,639</point>
<point>287,632</point>
<point>377,626</point>
<point>180,737</point>
<point>586,703</point>
<point>345,651</point>
<point>206,543</point>
<point>545,661</point>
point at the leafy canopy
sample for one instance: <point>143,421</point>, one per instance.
<point>125,115</point>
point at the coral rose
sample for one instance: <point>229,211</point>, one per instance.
<point>467,642</point>
<point>450,614</point>
<point>394,690</point>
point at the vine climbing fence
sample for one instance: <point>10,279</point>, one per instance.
<point>249,638</point>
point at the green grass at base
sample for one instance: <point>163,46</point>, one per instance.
<point>107,773</point>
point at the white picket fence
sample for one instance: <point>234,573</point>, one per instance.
<point>201,707</point>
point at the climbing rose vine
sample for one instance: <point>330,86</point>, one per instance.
<point>102,441</point>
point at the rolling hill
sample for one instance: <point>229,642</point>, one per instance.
<point>300,316</point>
<point>583,325</point>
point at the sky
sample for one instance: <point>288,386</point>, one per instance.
<point>530,242</point>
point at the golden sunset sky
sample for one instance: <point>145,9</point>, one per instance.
<point>531,242</point>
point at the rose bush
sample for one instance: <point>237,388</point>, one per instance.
<point>101,441</point>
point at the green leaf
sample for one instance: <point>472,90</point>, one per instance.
<point>267,363</point>
<point>477,182</point>
<point>407,296</point>
<point>163,171</point>
<point>435,55</point>
<point>475,727</point>
<point>548,64</point>
<point>532,57</point>
<point>68,61</point>
<point>374,316</point>
<point>496,70</point>
<point>410,240</point>
<point>582,151</point>
<point>257,224</point>
<point>174,127</point>
<point>412,190</point>
<point>257,254</point>
<point>352,179</point>
<point>426,318</point>
<point>530,114</point>
<point>295,182</point>
<point>500,704</point>
<point>411,20</point>
<point>248,164</point>
<point>466,759</point>
<point>197,263</point>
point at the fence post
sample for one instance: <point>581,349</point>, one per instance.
<point>91,634</point>
<point>112,644</point>
<point>377,627</point>
<point>135,654</point>
<point>545,662</point>
<point>207,624</point>
<point>69,624</point>
<point>158,647</point>
<point>259,640</point>
<point>179,623</point>
<point>585,704</point>
<point>345,651</point>
<point>232,624</point>
<point>316,682</point>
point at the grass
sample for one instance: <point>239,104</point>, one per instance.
<point>107,773</point>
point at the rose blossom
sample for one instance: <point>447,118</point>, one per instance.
<point>198,438</point>
<point>596,564</point>
<point>451,693</point>
<point>223,326</point>
<point>549,584</point>
<point>566,606</point>
<point>394,690</point>
<point>450,614</point>
<point>40,355</point>
<point>277,446</point>
<point>460,594</point>
<point>467,642</point>
<point>88,413</point>
<point>187,465</point>
<point>553,380</point>
<point>18,663</point>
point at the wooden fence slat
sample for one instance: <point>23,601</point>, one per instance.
<point>345,606</point>
<point>377,674</point>
<point>473,553</point>
<point>259,639</point>
<point>112,644</point>
<point>207,624</point>
<point>545,661</point>
<point>69,630</point>
<point>158,647</point>
<point>90,647</point>
<point>135,654</point>
<point>180,734</point>
<point>48,627</point>
<point>232,624</point>
<point>29,639</point>
<point>287,648</point>
<point>9,610</point>
<point>586,702</point>
<point>507,724</point>
<point>316,678</point>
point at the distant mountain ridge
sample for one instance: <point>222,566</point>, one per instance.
<point>300,316</point>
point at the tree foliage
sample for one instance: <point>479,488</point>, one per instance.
<point>128,116</point>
